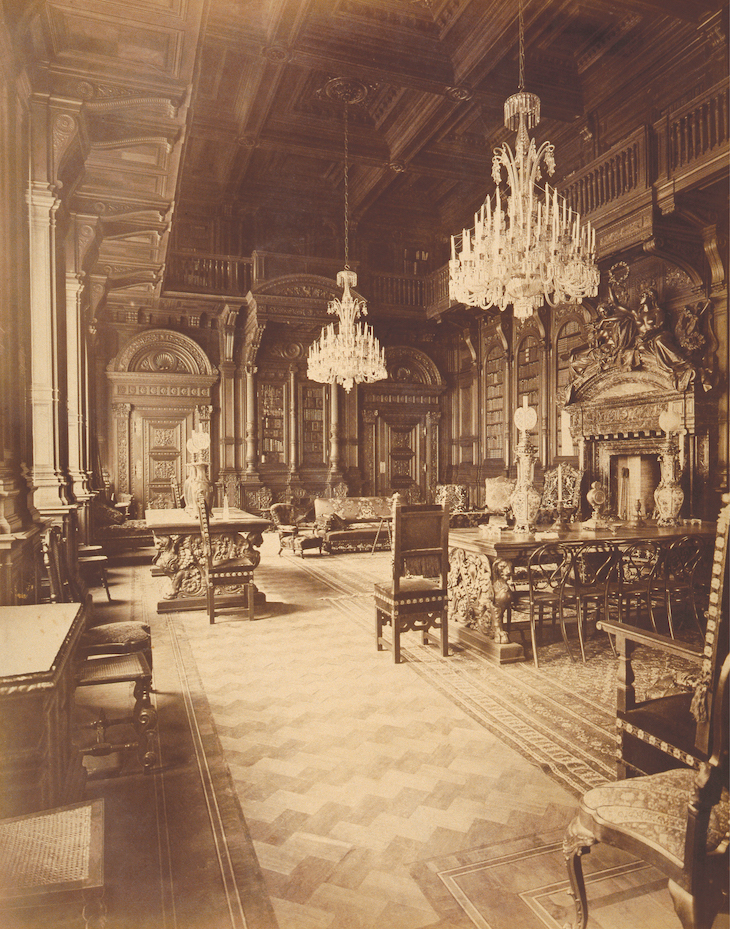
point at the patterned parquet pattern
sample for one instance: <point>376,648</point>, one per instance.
<point>371,798</point>
<point>350,769</point>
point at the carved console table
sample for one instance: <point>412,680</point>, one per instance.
<point>180,557</point>
<point>39,765</point>
<point>480,569</point>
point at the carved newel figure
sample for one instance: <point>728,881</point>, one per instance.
<point>525,499</point>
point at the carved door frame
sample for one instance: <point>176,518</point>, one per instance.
<point>159,376</point>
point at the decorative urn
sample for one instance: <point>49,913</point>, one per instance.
<point>525,499</point>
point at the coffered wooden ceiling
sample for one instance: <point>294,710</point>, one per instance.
<point>188,107</point>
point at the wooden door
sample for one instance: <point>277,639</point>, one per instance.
<point>158,453</point>
<point>399,456</point>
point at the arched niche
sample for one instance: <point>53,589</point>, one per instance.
<point>162,389</point>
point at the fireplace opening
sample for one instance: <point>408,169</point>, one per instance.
<point>633,477</point>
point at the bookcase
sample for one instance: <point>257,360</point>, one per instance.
<point>272,419</point>
<point>313,425</point>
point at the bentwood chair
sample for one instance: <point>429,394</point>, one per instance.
<point>631,583</point>
<point>548,570</point>
<point>591,570</point>
<point>678,582</point>
<point>416,596</point>
<point>221,574</point>
<point>675,820</point>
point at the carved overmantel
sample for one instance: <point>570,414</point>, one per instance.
<point>614,415</point>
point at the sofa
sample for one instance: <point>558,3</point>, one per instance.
<point>353,524</point>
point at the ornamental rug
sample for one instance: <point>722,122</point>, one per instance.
<point>560,716</point>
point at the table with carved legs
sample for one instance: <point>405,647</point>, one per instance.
<point>481,570</point>
<point>179,554</point>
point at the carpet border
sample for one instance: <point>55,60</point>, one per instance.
<point>243,882</point>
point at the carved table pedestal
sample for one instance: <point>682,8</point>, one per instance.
<point>180,556</point>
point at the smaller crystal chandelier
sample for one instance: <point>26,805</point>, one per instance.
<point>347,352</point>
<point>533,249</point>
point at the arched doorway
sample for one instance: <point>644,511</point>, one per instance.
<point>161,391</point>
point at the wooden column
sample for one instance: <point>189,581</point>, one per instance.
<point>251,456</point>
<point>51,485</point>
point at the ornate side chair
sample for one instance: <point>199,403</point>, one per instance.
<point>416,596</point>
<point>231,573</point>
<point>675,820</point>
<point>455,496</point>
<point>497,493</point>
<point>295,533</point>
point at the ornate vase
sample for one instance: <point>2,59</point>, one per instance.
<point>668,495</point>
<point>525,499</point>
<point>195,482</point>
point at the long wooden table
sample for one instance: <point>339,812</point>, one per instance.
<point>39,765</point>
<point>477,573</point>
<point>180,557</point>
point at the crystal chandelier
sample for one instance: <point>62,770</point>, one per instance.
<point>529,247</point>
<point>346,352</point>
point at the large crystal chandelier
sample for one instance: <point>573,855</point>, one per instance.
<point>346,352</point>
<point>528,247</point>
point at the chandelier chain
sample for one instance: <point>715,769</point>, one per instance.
<point>521,27</point>
<point>347,193</point>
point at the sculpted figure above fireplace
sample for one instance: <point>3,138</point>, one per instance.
<point>625,339</point>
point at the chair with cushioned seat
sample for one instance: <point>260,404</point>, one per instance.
<point>295,532</point>
<point>416,596</point>
<point>221,574</point>
<point>672,729</point>
<point>108,655</point>
<point>675,820</point>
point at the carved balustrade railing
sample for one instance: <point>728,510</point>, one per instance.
<point>393,289</point>
<point>618,173</point>
<point>693,134</point>
<point>218,274</point>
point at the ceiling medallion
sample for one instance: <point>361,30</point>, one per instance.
<point>397,166</point>
<point>276,53</point>
<point>459,94</point>
<point>345,90</point>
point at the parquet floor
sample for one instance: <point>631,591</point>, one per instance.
<point>371,800</point>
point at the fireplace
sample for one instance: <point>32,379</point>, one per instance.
<point>629,469</point>
<point>617,429</point>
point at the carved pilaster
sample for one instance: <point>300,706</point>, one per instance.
<point>122,415</point>
<point>48,473</point>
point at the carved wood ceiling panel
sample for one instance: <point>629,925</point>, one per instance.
<point>219,106</point>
